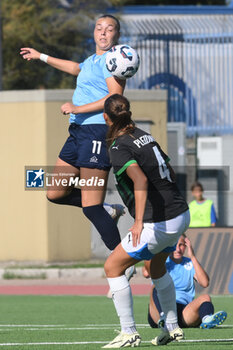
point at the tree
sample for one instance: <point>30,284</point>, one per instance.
<point>60,28</point>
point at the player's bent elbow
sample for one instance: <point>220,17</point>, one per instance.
<point>205,283</point>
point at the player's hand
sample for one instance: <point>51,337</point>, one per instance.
<point>68,108</point>
<point>29,54</point>
<point>190,251</point>
<point>136,231</point>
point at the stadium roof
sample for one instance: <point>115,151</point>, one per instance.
<point>185,10</point>
<point>176,25</point>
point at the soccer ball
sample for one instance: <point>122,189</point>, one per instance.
<point>122,61</point>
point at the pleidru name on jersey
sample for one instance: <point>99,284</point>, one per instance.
<point>144,140</point>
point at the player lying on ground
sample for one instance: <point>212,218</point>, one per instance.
<point>147,186</point>
<point>184,271</point>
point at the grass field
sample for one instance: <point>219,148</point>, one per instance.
<point>86,322</point>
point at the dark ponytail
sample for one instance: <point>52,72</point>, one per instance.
<point>117,107</point>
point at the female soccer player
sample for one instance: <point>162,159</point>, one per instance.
<point>146,183</point>
<point>198,312</point>
<point>84,154</point>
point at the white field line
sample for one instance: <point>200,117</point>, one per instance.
<point>64,325</point>
<point>58,328</point>
<point>40,328</point>
<point>104,342</point>
<point>32,325</point>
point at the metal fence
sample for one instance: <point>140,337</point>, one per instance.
<point>190,55</point>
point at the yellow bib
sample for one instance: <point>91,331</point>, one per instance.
<point>200,213</point>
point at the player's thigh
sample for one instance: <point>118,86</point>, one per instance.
<point>62,170</point>
<point>93,192</point>
<point>191,313</point>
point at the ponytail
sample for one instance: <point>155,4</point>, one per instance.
<point>117,107</point>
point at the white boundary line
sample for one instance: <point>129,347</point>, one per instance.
<point>32,325</point>
<point>206,340</point>
<point>104,342</point>
<point>81,327</point>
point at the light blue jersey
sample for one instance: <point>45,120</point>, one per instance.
<point>182,276</point>
<point>91,86</point>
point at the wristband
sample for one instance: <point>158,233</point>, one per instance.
<point>44,57</point>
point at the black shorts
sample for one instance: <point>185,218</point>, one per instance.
<point>181,322</point>
<point>86,147</point>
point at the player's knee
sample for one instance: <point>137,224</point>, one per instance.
<point>53,196</point>
<point>205,298</point>
<point>112,269</point>
<point>107,268</point>
<point>50,196</point>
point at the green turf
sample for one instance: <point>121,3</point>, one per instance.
<point>78,312</point>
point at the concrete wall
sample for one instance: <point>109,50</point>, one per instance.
<point>32,132</point>
<point>151,105</point>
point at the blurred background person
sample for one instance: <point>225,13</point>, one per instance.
<point>202,210</point>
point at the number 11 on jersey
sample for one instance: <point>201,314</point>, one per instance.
<point>96,148</point>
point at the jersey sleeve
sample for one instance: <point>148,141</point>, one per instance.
<point>106,73</point>
<point>121,158</point>
<point>213,215</point>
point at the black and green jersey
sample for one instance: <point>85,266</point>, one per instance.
<point>164,200</point>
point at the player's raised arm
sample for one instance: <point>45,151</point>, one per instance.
<point>63,65</point>
<point>200,274</point>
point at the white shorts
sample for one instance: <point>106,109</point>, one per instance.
<point>157,237</point>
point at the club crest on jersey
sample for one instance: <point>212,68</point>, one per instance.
<point>188,266</point>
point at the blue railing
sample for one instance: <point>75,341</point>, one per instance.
<point>191,56</point>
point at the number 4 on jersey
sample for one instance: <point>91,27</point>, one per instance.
<point>163,169</point>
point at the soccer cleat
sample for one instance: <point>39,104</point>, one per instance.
<point>130,272</point>
<point>124,340</point>
<point>214,320</point>
<point>166,337</point>
<point>118,211</point>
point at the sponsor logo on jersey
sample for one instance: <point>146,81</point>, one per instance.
<point>94,159</point>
